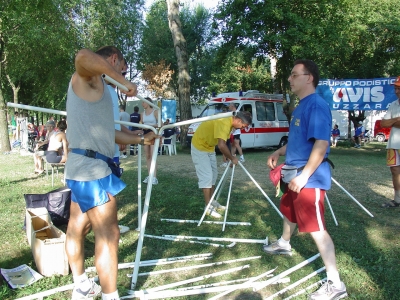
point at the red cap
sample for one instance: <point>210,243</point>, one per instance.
<point>275,174</point>
<point>397,82</point>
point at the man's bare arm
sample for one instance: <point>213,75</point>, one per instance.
<point>394,122</point>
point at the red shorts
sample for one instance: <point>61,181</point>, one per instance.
<point>306,209</point>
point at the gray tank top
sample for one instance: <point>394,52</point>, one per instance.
<point>90,126</point>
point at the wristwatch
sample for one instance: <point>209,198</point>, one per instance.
<point>142,140</point>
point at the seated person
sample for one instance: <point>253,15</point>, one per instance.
<point>42,146</point>
<point>358,135</point>
<point>57,151</point>
<point>168,133</point>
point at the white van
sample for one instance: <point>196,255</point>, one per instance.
<point>270,126</point>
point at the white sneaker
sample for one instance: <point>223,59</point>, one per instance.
<point>216,205</point>
<point>94,291</point>
<point>213,213</point>
<point>155,181</point>
<point>123,156</point>
<point>146,179</point>
<point>242,159</point>
<point>224,165</point>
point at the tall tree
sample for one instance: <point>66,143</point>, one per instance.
<point>182,58</point>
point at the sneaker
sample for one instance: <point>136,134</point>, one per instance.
<point>224,165</point>
<point>213,213</point>
<point>95,290</point>
<point>216,205</point>
<point>155,181</point>
<point>329,292</point>
<point>275,248</point>
<point>123,156</point>
<point>146,179</point>
<point>242,159</point>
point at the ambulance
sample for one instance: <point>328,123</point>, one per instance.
<point>270,125</point>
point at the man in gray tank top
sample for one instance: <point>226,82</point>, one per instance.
<point>91,136</point>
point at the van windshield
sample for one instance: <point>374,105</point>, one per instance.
<point>215,108</point>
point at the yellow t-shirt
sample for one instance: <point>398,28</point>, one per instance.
<point>207,134</point>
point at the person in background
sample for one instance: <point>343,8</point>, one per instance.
<point>208,135</point>
<point>236,138</point>
<point>335,135</point>
<point>135,118</point>
<point>302,203</point>
<point>42,146</point>
<point>149,117</point>
<point>123,116</point>
<point>358,135</point>
<point>57,152</point>
<point>392,120</point>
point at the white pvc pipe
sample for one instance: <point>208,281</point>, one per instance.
<point>114,82</point>
<point>181,240</point>
<point>160,262</point>
<point>287,272</point>
<point>212,197</point>
<point>144,215</point>
<point>217,239</point>
<point>198,266</point>
<point>262,191</point>
<point>139,191</point>
<point>244,285</point>
<point>184,292</point>
<point>305,289</point>
<point>330,207</point>
<point>229,198</point>
<point>221,188</point>
<point>174,284</point>
<point>34,108</point>
<point>351,196</point>
<point>48,292</point>
<point>293,285</point>
<point>207,222</point>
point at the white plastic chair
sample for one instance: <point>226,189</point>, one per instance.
<point>170,147</point>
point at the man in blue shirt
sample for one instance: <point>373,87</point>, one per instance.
<point>358,134</point>
<point>302,203</point>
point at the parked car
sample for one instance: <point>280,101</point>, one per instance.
<point>381,134</point>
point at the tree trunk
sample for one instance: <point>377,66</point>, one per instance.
<point>182,57</point>
<point>4,137</point>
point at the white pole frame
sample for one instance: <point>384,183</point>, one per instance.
<point>351,196</point>
<point>287,272</point>
<point>198,266</point>
<point>244,285</point>
<point>217,239</point>
<point>188,241</point>
<point>293,285</point>
<point>330,207</point>
<point>229,197</point>
<point>213,195</point>
<point>207,222</point>
<point>305,289</point>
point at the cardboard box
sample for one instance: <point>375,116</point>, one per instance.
<point>47,243</point>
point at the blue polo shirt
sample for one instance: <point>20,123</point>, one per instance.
<point>311,120</point>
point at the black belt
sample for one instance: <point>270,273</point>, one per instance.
<point>324,160</point>
<point>90,153</point>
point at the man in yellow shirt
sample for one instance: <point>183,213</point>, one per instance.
<point>208,135</point>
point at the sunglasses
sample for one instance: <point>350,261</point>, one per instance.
<point>124,73</point>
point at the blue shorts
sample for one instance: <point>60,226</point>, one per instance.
<point>89,194</point>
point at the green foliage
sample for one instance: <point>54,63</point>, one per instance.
<point>346,38</point>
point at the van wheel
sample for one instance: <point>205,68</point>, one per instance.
<point>283,142</point>
<point>380,138</point>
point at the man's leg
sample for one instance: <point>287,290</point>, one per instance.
<point>326,248</point>
<point>104,222</point>
<point>78,228</point>
<point>288,229</point>
<point>282,246</point>
<point>396,182</point>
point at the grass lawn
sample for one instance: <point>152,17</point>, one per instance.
<point>367,248</point>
